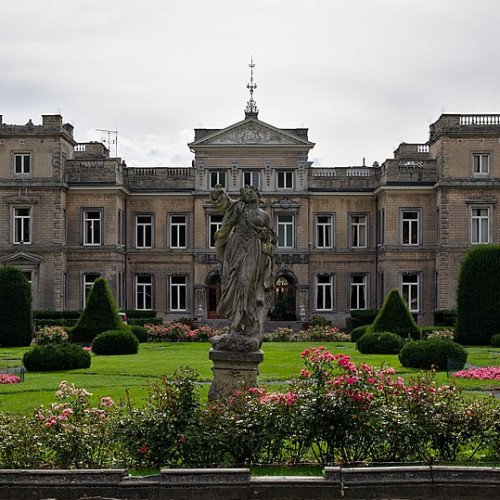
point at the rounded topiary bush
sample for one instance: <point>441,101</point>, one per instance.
<point>432,353</point>
<point>358,332</point>
<point>115,342</point>
<point>379,343</point>
<point>56,357</point>
<point>495,340</point>
<point>140,332</point>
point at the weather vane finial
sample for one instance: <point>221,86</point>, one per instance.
<point>251,109</point>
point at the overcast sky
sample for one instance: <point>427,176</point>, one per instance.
<point>362,75</point>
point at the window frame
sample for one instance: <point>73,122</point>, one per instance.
<point>181,288</point>
<point>144,227</point>
<point>358,286</point>
<point>139,304</point>
<point>357,225</point>
<point>411,286</point>
<point>325,225</point>
<point>23,156</point>
<point>285,224</point>
<point>217,174</point>
<point>324,287</point>
<point>172,225</point>
<point>286,175</point>
<point>252,173</point>
<point>411,222</point>
<point>211,223</point>
<point>100,231</point>
<point>481,172</point>
<point>16,239</point>
<point>473,218</point>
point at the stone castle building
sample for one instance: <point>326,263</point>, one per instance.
<point>70,213</point>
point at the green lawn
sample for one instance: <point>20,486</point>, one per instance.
<point>112,375</point>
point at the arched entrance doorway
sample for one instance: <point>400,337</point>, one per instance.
<point>213,296</point>
<point>284,299</point>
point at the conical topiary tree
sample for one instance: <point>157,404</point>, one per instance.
<point>395,317</point>
<point>478,296</point>
<point>16,324</point>
<point>100,314</point>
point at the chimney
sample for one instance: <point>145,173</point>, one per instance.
<point>1,119</point>
<point>52,120</point>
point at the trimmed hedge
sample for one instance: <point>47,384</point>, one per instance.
<point>358,332</point>
<point>145,321</point>
<point>379,343</point>
<point>56,357</point>
<point>140,313</point>
<point>431,353</point>
<point>360,318</point>
<point>100,314</point>
<point>445,317</point>
<point>115,342</point>
<point>140,332</point>
<point>395,317</point>
<point>495,340</point>
<point>38,315</point>
<point>478,296</point>
<point>16,325</point>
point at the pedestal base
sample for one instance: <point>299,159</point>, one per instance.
<point>233,371</point>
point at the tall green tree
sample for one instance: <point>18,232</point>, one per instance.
<point>100,314</point>
<point>395,317</point>
<point>478,296</point>
<point>16,324</point>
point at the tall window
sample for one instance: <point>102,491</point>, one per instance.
<point>178,231</point>
<point>324,292</point>
<point>410,227</point>
<point>481,164</point>
<point>410,289</point>
<point>284,179</point>
<point>178,292</point>
<point>144,291</point>
<point>324,231</point>
<point>285,231</point>
<point>121,227</point>
<point>92,226</point>
<point>358,291</point>
<point>251,178</point>
<point>218,177</point>
<point>87,284</point>
<point>22,225</point>
<point>358,231</point>
<point>121,290</point>
<point>381,227</point>
<point>22,163</point>
<point>214,224</point>
<point>480,225</point>
<point>144,231</point>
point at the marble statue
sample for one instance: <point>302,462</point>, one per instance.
<point>244,244</point>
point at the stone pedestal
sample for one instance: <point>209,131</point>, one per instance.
<point>233,371</point>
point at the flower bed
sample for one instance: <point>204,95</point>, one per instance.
<point>180,332</point>
<point>9,378</point>
<point>486,373</point>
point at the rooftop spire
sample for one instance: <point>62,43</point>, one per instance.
<point>251,109</point>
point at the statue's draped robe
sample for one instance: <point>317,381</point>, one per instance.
<point>244,245</point>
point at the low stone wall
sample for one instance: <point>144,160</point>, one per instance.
<point>415,482</point>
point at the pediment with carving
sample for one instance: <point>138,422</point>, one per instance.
<point>21,258</point>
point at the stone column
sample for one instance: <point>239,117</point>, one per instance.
<point>233,371</point>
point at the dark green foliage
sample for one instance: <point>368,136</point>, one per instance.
<point>478,296</point>
<point>358,332</point>
<point>100,314</point>
<point>56,315</point>
<point>445,317</point>
<point>140,332</point>
<point>40,323</point>
<point>16,326</point>
<point>115,342</point>
<point>360,318</point>
<point>495,340</point>
<point>431,353</point>
<point>140,313</point>
<point>56,357</point>
<point>284,307</point>
<point>318,321</point>
<point>395,317</point>
<point>379,343</point>
<point>145,321</point>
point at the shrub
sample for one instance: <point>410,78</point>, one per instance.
<point>37,315</point>
<point>318,321</point>
<point>379,343</point>
<point>51,335</point>
<point>100,314</point>
<point>445,317</point>
<point>478,296</point>
<point>495,340</point>
<point>169,332</point>
<point>358,332</point>
<point>140,313</point>
<point>431,353</point>
<point>16,324</point>
<point>395,317</point>
<point>140,332</point>
<point>115,342</point>
<point>56,357</point>
<point>145,321</point>
<point>360,318</point>
<point>442,333</point>
<point>325,334</point>
<point>279,335</point>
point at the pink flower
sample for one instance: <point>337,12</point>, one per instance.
<point>484,373</point>
<point>107,402</point>
<point>87,348</point>
<point>352,380</point>
<point>305,373</point>
<point>143,450</point>
<point>9,378</point>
